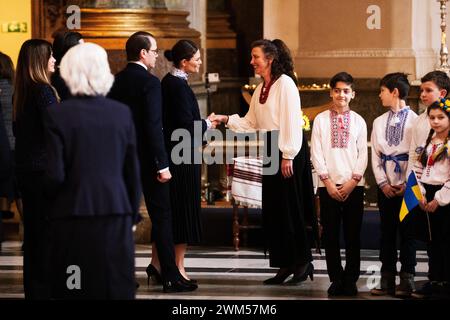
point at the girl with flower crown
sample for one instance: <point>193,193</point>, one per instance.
<point>433,171</point>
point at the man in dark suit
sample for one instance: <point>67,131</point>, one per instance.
<point>141,91</point>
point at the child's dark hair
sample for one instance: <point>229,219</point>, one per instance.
<point>442,153</point>
<point>397,80</point>
<point>439,78</point>
<point>342,77</point>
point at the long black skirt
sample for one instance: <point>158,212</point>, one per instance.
<point>185,201</point>
<point>92,258</point>
<point>288,207</point>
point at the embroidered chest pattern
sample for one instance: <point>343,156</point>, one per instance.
<point>340,129</point>
<point>395,127</point>
<point>433,151</point>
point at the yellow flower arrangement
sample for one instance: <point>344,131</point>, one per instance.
<point>306,123</point>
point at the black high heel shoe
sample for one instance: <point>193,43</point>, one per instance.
<point>302,273</point>
<point>281,275</point>
<point>153,273</point>
<point>178,286</point>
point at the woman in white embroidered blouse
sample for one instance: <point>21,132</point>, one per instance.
<point>287,195</point>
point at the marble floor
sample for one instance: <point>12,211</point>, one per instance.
<point>222,274</point>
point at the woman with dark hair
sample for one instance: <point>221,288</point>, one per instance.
<point>61,44</point>
<point>181,111</point>
<point>32,96</point>
<point>287,196</point>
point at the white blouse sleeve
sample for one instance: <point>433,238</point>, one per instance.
<point>377,163</point>
<point>291,133</point>
<point>317,153</point>
<point>248,122</point>
<point>443,196</point>
<point>417,167</point>
<point>361,144</point>
<point>412,152</point>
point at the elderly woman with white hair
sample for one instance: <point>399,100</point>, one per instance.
<point>93,177</point>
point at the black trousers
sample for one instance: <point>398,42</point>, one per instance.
<point>157,200</point>
<point>36,232</point>
<point>350,213</point>
<point>439,246</point>
<point>390,224</point>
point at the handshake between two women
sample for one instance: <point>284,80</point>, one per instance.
<point>217,119</point>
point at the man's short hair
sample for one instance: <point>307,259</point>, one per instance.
<point>137,41</point>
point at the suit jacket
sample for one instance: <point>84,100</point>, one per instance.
<point>92,162</point>
<point>141,91</point>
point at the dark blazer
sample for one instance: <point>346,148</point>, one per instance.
<point>141,91</point>
<point>92,162</point>
<point>30,154</point>
<point>60,85</point>
<point>180,110</point>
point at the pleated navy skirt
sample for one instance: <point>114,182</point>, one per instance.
<point>185,200</point>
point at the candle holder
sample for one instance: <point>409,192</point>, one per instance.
<point>444,50</point>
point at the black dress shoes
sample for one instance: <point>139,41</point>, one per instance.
<point>336,289</point>
<point>179,286</point>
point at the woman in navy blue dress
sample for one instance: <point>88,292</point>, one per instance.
<point>32,96</point>
<point>181,111</point>
<point>94,183</point>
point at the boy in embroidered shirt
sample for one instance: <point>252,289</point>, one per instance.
<point>339,155</point>
<point>391,139</point>
<point>433,171</point>
<point>435,85</point>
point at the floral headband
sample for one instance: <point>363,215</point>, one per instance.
<point>444,103</point>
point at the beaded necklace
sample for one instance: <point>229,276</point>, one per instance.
<point>265,92</point>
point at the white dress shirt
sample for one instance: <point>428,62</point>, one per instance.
<point>422,128</point>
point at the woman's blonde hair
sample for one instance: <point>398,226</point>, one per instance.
<point>85,70</point>
<point>32,68</point>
